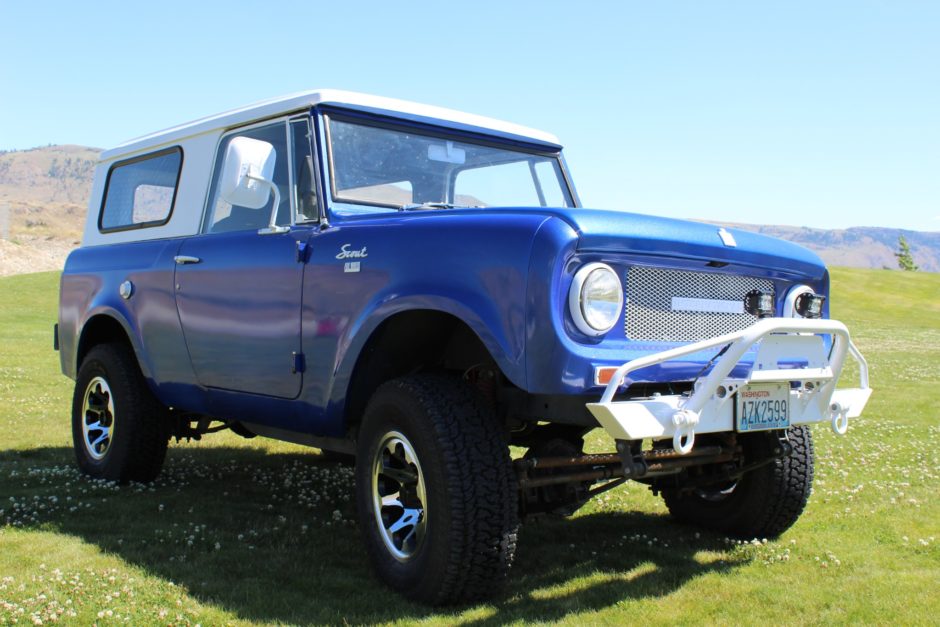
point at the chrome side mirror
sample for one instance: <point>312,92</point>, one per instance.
<point>246,178</point>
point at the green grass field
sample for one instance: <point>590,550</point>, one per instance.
<point>258,532</point>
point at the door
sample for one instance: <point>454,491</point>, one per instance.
<point>239,306</point>
<point>239,291</point>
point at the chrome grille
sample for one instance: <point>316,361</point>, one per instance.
<point>649,308</point>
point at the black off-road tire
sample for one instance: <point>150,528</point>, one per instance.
<point>120,399</point>
<point>764,502</point>
<point>470,511</point>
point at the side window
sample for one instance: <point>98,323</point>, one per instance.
<point>140,192</point>
<point>224,217</point>
<point>305,185</point>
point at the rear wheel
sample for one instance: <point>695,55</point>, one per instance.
<point>119,429</point>
<point>435,491</point>
<point>762,503</point>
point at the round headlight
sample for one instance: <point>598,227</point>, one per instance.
<point>595,299</point>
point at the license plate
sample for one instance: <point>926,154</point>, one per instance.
<point>762,407</point>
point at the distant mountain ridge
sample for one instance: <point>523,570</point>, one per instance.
<point>45,193</point>
<point>858,246</point>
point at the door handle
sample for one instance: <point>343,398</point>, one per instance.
<point>182,260</point>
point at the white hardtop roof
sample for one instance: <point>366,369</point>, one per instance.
<point>303,100</point>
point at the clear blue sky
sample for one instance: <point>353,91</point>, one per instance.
<point>823,114</point>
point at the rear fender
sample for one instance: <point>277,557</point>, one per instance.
<point>131,335</point>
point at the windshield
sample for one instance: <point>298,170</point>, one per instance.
<point>402,169</point>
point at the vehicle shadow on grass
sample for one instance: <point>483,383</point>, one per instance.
<point>272,537</point>
<point>599,560</point>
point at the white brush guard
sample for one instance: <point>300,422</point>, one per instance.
<point>711,405</point>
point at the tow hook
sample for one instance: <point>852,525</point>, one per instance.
<point>840,418</point>
<point>684,438</point>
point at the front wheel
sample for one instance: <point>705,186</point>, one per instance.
<point>762,503</point>
<point>119,429</point>
<point>435,491</point>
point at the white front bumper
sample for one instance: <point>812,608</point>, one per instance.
<point>710,406</point>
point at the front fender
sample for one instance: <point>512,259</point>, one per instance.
<point>471,267</point>
<point>506,349</point>
<point>505,345</point>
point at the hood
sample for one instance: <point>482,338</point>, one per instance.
<point>620,231</point>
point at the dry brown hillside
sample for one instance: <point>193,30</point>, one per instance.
<point>43,198</point>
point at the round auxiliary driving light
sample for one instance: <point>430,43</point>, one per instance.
<point>595,299</point>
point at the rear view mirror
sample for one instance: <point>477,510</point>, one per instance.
<point>247,172</point>
<point>447,153</point>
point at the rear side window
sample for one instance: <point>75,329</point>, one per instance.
<point>140,192</point>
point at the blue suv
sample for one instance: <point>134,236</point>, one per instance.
<point>421,289</point>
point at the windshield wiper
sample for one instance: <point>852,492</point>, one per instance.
<point>430,205</point>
